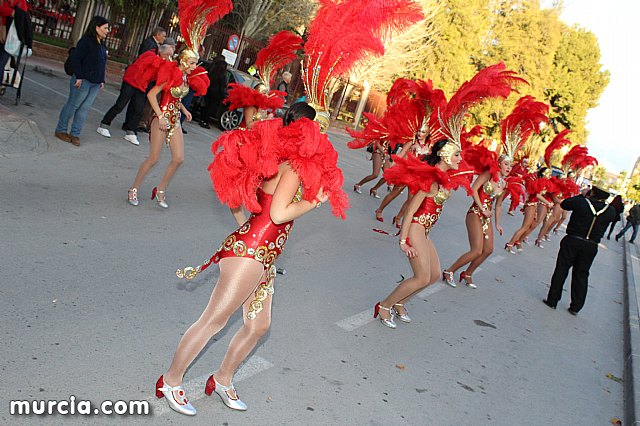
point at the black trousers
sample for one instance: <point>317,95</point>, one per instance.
<point>128,95</point>
<point>577,254</point>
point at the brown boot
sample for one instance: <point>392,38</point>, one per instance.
<point>63,136</point>
<point>75,141</point>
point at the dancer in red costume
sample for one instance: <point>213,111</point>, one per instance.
<point>172,82</point>
<point>410,118</point>
<point>374,133</point>
<point>431,183</point>
<point>535,205</point>
<point>255,102</point>
<point>280,173</point>
<point>519,171</point>
<point>280,170</point>
<point>489,186</point>
<point>431,187</point>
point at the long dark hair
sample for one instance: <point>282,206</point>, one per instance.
<point>96,21</point>
<point>541,171</point>
<point>432,158</point>
<point>617,203</point>
<point>297,111</point>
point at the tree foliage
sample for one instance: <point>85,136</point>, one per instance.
<point>260,19</point>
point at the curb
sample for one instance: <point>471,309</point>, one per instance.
<point>631,338</point>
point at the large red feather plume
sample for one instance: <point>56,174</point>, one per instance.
<point>199,81</point>
<point>143,70</point>
<point>344,33</point>
<point>525,119</point>
<point>494,81</point>
<point>242,96</point>
<point>557,143</point>
<point>577,158</point>
<point>420,176</point>
<point>279,52</point>
<point>516,191</point>
<point>195,17</point>
<point>374,131</point>
<point>482,159</point>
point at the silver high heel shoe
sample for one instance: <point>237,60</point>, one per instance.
<point>402,317</point>
<point>447,277</point>
<point>181,405</point>
<point>159,196</point>
<point>232,402</point>
<point>388,322</point>
<point>132,196</point>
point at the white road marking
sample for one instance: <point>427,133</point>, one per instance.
<point>496,258</point>
<point>356,321</point>
<point>60,93</point>
<point>432,289</point>
<point>194,389</point>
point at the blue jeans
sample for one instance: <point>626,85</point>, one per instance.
<point>77,106</point>
<point>627,226</point>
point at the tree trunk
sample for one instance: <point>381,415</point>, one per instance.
<point>82,18</point>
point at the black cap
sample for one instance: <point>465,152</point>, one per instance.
<point>599,194</point>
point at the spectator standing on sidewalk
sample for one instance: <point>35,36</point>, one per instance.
<point>633,219</point>
<point>589,220</point>
<point>7,12</point>
<point>135,98</point>
<point>619,206</point>
<point>89,62</point>
<point>154,41</point>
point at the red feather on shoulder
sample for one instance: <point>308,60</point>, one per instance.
<point>143,70</point>
<point>373,132</point>
<point>515,190</point>
<point>199,81</point>
<point>242,96</point>
<point>312,156</point>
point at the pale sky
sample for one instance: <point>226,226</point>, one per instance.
<point>614,126</point>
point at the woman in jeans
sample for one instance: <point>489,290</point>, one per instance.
<point>89,61</point>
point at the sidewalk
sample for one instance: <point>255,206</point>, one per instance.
<point>631,263</point>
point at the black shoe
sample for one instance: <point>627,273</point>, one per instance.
<point>184,131</point>
<point>617,238</point>
<point>204,124</point>
<point>608,237</point>
<point>549,304</point>
<point>572,312</point>
<point>631,242</point>
<point>142,130</point>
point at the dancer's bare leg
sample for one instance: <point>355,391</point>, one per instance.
<point>476,241</point>
<point>397,190</point>
<point>487,249</point>
<point>245,339</point>
<point>541,213</point>
<point>238,279</point>
<point>529,218</point>
<point>156,141</point>
<point>376,159</point>
<point>177,158</point>
<point>381,181</point>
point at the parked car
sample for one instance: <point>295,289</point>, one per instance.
<point>227,120</point>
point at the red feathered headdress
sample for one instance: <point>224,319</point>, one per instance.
<point>577,159</point>
<point>413,106</point>
<point>374,131</point>
<point>242,96</point>
<point>195,17</point>
<point>279,52</point>
<point>344,33</point>
<point>525,119</point>
<point>557,143</point>
<point>494,81</point>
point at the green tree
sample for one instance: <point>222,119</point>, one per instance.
<point>577,80</point>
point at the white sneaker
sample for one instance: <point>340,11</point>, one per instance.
<point>132,138</point>
<point>104,132</point>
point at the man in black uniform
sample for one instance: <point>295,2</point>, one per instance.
<point>589,219</point>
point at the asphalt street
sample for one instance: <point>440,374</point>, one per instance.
<point>91,307</point>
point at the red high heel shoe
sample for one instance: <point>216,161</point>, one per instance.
<point>379,217</point>
<point>467,279</point>
<point>396,221</point>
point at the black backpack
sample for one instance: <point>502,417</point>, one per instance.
<point>67,64</point>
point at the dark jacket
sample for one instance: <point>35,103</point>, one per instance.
<point>89,60</point>
<point>581,223</point>
<point>148,43</point>
<point>634,214</point>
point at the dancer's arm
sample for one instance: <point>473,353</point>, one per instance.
<point>249,112</point>
<point>499,211</point>
<point>405,149</point>
<point>186,112</point>
<point>480,180</point>
<point>283,208</point>
<point>544,200</point>
<point>413,206</point>
<point>152,96</point>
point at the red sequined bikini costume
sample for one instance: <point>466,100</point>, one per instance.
<point>487,194</point>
